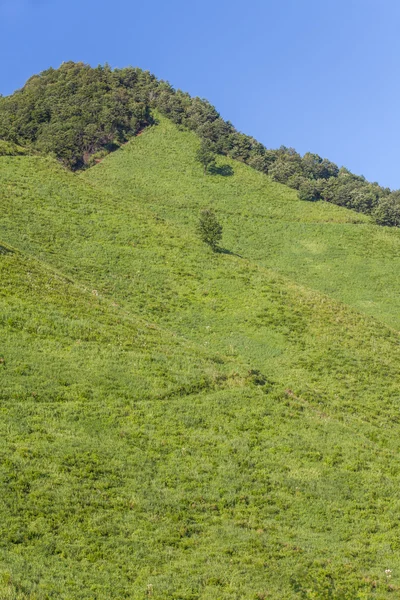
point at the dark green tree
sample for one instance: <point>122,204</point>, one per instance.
<point>287,165</point>
<point>315,167</point>
<point>388,210</point>
<point>76,111</point>
<point>308,190</point>
<point>205,155</point>
<point>209,229</point>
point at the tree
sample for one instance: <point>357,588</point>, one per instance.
<point>209,229</point>
<point>286,166</point>
<point>388,210</point>
<point>315,167</point>
<point>205,155</point>
<point>364,199</point>
<point>308,190</point>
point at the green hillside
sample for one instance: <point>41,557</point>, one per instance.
<point>334,250</point>
<point>185,424</point>
<point>80,114</point>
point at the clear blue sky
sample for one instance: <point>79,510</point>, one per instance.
<point>318,76</point>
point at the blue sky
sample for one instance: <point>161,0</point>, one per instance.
<point>318,76</point>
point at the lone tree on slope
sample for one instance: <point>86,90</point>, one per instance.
<point>209,229</point>
<point>205,155</point>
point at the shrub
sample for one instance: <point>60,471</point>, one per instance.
<point>209,229</point>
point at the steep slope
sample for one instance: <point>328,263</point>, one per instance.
<point>336,251</point>
<point>116,481</point>
<point>80,380</point>
<point>264,464</point>
<point>159,269</point>
<point>79,114</point>
<point>50,315</point>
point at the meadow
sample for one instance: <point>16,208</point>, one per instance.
<point>331,249</point>
<point>185,424</point>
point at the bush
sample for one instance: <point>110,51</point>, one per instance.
<point>209,229</point>
<point>308,190</point>
<point>205,155</point>
<point>388,211</point>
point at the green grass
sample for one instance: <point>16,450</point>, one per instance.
<point>183,424</point>
<point>333,250</point>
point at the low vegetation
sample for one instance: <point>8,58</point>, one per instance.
<point>209,229</point>
<point>80,114</point>
<point>188,416</point>
<point>11,149</point>
<point>179,423</point>
<point>328,248</point>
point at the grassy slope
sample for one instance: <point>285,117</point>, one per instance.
<point>232,492</point>
<point>11,149</point>
<point>236,492</point>
<point>118,246</point>
<point>315,244</point>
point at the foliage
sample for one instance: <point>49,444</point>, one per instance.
<point>319,179</point>
<point>205,155</point>
<point>79,114</point>
<point>10,149</point>
<point>73,112</point>
<point>309,190</point>
<point>387,212</point>
<point>209,229</point>
<point>179,424</point>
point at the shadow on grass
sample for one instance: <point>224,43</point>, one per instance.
<point>226,251</point>
<point>224,170</point>
<point>4,250</point>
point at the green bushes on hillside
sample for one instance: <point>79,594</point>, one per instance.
<point>209,229</point>
<point>79,113</point>
<point>73,112</point>
<point>319,179</point>
<point>388,210</point>
<point>205,155</point>
<point>10,149</point>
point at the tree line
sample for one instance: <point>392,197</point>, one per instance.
<point>78,114</point>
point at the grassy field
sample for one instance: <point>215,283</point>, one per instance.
<point>190,425</point>
<point>333,250</point>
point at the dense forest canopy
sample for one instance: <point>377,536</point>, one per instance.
<point>78,114</point>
